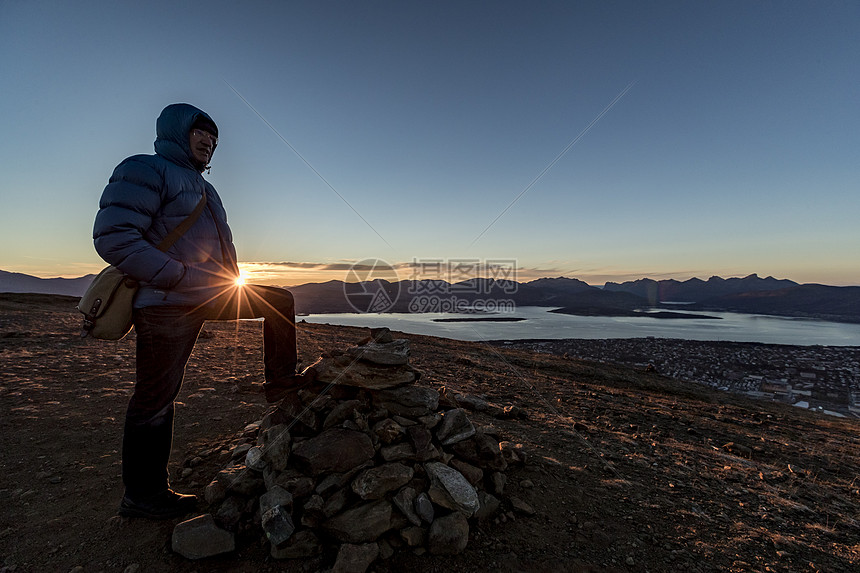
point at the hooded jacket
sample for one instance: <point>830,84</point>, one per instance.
<point>147,197</point>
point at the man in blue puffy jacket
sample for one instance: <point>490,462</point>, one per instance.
<point>194,280</point>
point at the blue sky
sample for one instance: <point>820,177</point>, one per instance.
<point>735,149</point>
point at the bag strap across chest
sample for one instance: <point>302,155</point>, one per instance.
<point>182,227</point>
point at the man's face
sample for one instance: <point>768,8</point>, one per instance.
<point>202,145</point>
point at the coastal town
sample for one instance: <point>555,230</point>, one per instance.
<point>824,379</point>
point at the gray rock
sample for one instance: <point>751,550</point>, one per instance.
<point>489,430</point>
<point>450,489</point>
<point>424,508</point>
<point>349,371</point>
<point>240,480</point>
<point>422,441</point>
<point>341,412</point>
<point>489,505</point>
<point>431,420</point>
<point>273,417</point>
<point>298,485</point>
<point>449,535</point>
<point>471,402</point>
<point>334,450</point>
<point>336,502</point>
<point>201,537</point>
<point>254,459</point>
<point>355,558</point>
<point>351,425</point>
<point>361,524</point>
<point>317,401</point>
<point>215,492</point>
<point>386,551</point>
<point>521,506</point>
<point>278,525</point>
<point>381,335</point>
<point>388,431</point>
<point>274,497</point>
<point>394,353</point>
<point>405,502</point>
<point>240,451</point>
<point>408,400</point>
<point>481,450</point>
<point>397,452</point>
<point>455,427</point>
<point>499,481</point>
<point>337,481</point>
<point>398,521</point>
<point>299,412</point>
<point>330,483</point>
<point>276,446</point>
<point>301,545</point>
<point>230,512</point>
<point>312,513</point>
<point>269,476</point>
<point>376,482</point>
<point>431,453</point>
<point>473,474</point>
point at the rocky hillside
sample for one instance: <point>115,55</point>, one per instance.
<point>623,470</point>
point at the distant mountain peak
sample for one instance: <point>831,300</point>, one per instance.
<point>697,290</point>
<point>21,283</point>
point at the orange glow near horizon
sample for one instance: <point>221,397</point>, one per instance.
<point>294,274</point>
<point>289,275</point>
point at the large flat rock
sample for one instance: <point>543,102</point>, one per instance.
<point>394,353</point>
<point>361,524</point>
<point>350,371</point>
<point>410,400</point>
<point>374,483</point>
<point>334,450</point>
<point>201,537</point>
<point>450,489</point>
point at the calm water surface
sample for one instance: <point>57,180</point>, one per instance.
<point>539,323</point>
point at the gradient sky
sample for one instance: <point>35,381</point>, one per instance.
<point>734,150</point>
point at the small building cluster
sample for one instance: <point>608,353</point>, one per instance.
<point>824,378</point>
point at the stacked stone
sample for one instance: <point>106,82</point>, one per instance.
<point>372,464</point>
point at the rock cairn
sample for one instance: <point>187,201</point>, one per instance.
<point>372,464</point>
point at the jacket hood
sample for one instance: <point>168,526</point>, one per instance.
<point>172,129</point>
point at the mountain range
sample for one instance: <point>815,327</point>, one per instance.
<point>750,294</point>
<point>18,282</point>
<point>697,290</point>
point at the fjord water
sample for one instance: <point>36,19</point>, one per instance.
<point>539,323</point>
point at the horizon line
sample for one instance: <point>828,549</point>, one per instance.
<point>315,269</point>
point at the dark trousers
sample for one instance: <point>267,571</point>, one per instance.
<point>165,339</point>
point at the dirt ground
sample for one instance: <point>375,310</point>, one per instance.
<point>628,471</point>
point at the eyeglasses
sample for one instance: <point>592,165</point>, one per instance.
<point>206,134</point>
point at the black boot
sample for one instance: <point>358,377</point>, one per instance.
<point>165,505</point>
<point>284,387</point>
